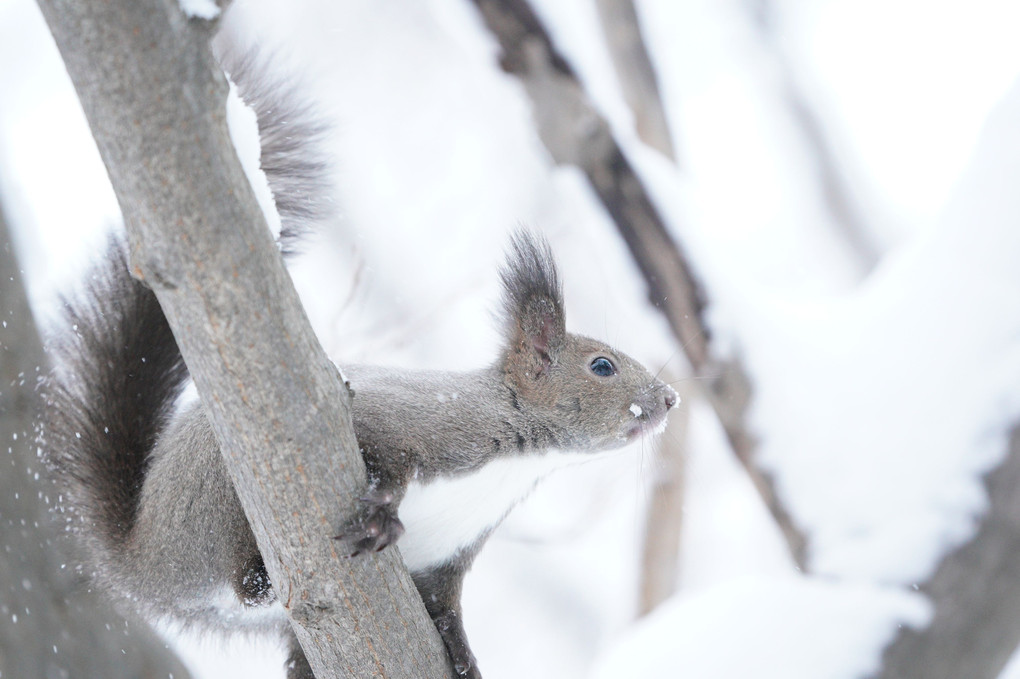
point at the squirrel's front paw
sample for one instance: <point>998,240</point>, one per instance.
<point>375,527</point>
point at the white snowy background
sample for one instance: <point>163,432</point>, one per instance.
<point>880,399</point>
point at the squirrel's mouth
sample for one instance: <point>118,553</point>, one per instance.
<point>645,424</point>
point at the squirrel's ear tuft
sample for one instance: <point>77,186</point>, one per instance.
<point>532,301</point>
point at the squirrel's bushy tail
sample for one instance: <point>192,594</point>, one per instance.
<point>117,375</point>
<point>292,137</point>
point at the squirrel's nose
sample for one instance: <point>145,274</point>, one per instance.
<point>671,398</point>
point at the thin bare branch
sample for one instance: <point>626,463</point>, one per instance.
<point>635,73</point>
<point>837,195</point>
<point>664,521</point>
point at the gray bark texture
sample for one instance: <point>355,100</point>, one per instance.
<point>575,133</point>
<point>155,100</point>
<point>49,627</point>
<point>975,593</point>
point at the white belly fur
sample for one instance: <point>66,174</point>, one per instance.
<point>447,514</point>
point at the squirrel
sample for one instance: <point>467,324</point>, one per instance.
<point>448,454</point>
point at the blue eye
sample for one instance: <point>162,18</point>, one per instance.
<point>603,367</point>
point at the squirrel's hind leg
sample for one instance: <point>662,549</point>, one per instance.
<point>296,665</point>
<point>440,589</point>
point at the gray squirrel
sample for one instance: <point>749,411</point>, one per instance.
<point>448,454</point>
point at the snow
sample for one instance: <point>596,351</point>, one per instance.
<point>880,399</point>
<point>244,133</point>
<point>924,356</point>
<point>925,88</point>
<point>766,624</point>
<point>200,9</point>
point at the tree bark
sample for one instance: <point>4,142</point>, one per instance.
<point>975,593</point>
<point>49,627</point>
<point>575,133</point>
<point>155,100</point>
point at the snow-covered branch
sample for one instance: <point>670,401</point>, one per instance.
<point>975,593</point>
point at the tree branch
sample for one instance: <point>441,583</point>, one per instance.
<point>976,595</point>
<point>635,73</point>
<point>155,100</point>
<point>664,523</point>
<point>837,195</point>
<point>575,133</point>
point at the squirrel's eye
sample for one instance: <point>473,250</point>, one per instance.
<point>602,367</point>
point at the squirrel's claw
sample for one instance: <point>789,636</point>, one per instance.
<point>374,528</point>
<point>452,632</point>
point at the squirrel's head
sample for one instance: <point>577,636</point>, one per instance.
<point>589,396</point>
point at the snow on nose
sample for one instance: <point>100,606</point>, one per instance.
<point>671,398</point>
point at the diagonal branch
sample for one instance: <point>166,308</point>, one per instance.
<point>635,73</point>
<point>834,187</point>
<point>155,100</point>
<point>575,133</point>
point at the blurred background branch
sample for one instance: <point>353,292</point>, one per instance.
<point>50,625</point>
<point>635,73</point>
<point>664,521</point>
<point>975,593</point>
<point>575,133</point>
<point>844,210</point>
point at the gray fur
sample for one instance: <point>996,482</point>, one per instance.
<point>291,134</point>
<point>148,494</point>
<point>533,296</point>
